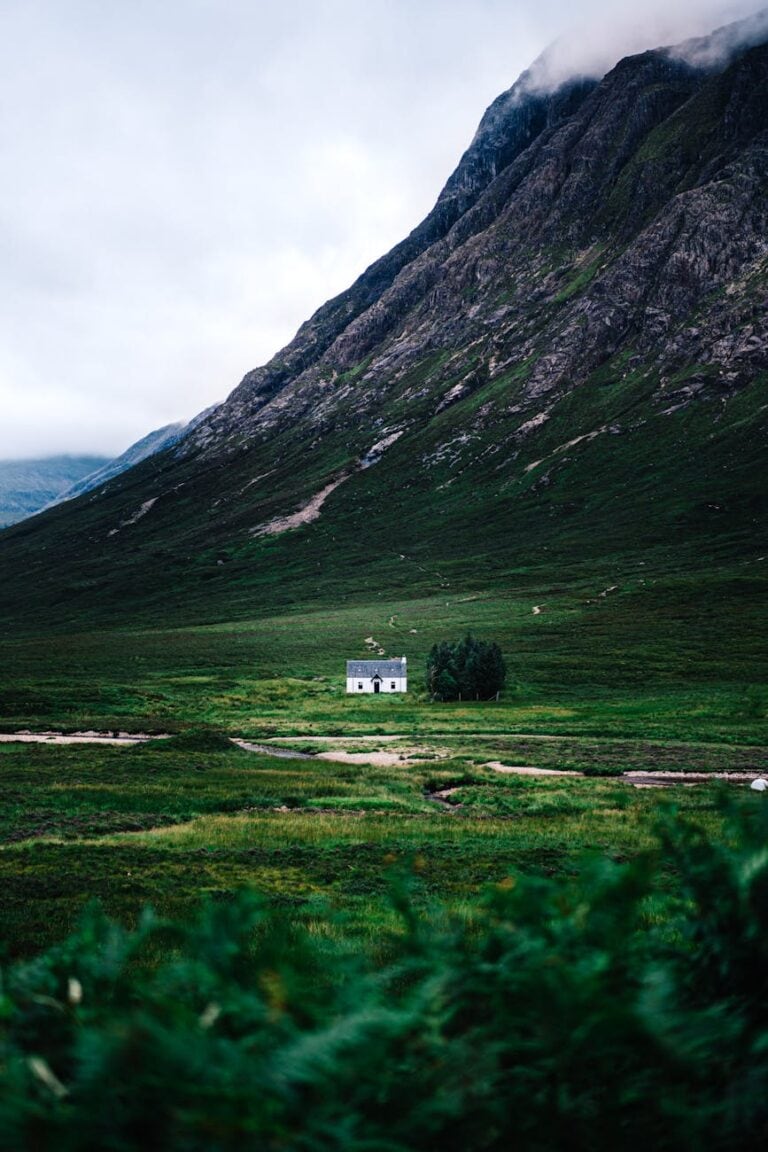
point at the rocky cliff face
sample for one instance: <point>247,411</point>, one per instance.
<point>509,126</point>
<point>575,224</point>
<point>573,347</point>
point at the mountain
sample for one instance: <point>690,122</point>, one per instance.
<point>149,445</point>
<point>26,486</point>
<point>562,370</point>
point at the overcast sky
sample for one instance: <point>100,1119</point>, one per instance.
<point>182,182</point>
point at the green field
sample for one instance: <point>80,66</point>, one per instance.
<point>168,823</point>
<point>674,657</point>
<point>598,684</point>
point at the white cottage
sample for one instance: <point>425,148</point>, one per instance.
<point>377,675</point>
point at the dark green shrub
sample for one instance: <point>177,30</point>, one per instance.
<point>199,739</point>
<point>470,669</point>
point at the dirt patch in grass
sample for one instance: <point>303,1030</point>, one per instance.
<point>125,739</point>
<point>373,759</point>
<point>521,770</point>
<point>642,779</point>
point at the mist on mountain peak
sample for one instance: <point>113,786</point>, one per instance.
<point>702,32</point>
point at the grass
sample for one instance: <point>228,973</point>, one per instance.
<point>656,675</point>
<point>672,659</point>
<point>169,822</point>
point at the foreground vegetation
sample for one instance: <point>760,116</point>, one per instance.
<point>559,1015</point>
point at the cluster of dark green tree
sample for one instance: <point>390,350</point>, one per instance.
<point>470,669</point>
<point>569,1014</point>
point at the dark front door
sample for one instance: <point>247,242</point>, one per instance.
<point>377,685</point>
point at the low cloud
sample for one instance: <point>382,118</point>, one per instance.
<point>605,35</point>
<point>717,49</point>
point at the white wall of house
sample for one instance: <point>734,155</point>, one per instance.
<point>361,684</point>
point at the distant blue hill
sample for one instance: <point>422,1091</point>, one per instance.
<point>26,486</point>
<point>29,486</point>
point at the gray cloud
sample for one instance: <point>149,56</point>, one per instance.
<point>183,183</point>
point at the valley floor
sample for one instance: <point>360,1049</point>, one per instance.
<point>168,822</point>
<point>598,687</point>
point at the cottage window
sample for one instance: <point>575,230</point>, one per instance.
<point>392,686</point>
<point>359,686</point>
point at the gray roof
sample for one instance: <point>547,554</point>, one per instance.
<point>374,667</point>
